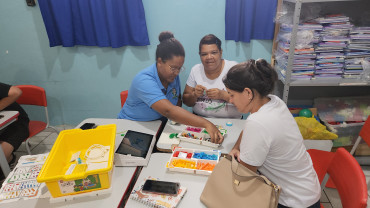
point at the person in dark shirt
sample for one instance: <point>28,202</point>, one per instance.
<point>12,136</point>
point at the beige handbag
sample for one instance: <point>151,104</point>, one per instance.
<point>233,185</point>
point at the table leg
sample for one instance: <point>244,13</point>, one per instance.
<point>4,163</point>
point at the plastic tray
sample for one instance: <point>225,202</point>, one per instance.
<point>200,136</point>
<point>58,162</point>
<point>343,109</point>
<point>191,163</point>
<point>347,133</point>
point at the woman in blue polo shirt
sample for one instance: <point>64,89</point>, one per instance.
<point>155,91</point>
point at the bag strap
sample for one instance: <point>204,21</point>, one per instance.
<point>234,169</point>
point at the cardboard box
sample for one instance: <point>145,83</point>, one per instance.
<point>363,150</point>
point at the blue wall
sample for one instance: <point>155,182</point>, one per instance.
<point>85,82</point>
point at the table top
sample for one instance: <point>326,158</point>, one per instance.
<point>121,175</point>
<point>120,180</point>
<point>157,169</point>
<point>7,117</point>
<point>165,143</point>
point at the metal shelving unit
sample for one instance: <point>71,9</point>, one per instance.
<point>287,82</point>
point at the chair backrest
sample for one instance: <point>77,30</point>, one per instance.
<point>124,95</point>
<point>321,161</point>
<point>364,134</point>
<point>349,179</point>
<point>32,95</point>
<point>365,131</point>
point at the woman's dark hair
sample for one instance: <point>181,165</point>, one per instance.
<point>255,75</point>
<point>168,47</point>
<point>209,40</point>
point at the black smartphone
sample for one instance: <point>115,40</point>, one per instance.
<point>88,126</point>
<point>161,187</point>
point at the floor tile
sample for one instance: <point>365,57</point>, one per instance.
<point>50,140</point>
<point>42,148</point>
<point>333,197</point>
<point>58,127</point>
<point>327,205</point>
<point>67,126</point>
<point>54,129</point>
<point>32,144</point>
<point>323,197</point>
<point>19,154</point>
<point>36,139</point>
<point>44,133</point>
<point>22,148</point>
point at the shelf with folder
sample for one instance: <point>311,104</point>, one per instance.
<point>321,81</point>
<point>291,76</point>
<point>314,1</point>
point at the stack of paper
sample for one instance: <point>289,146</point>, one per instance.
<point>304,54</point>
<point>333,42</point>
<point>328,46</point>
<point>358,49</point>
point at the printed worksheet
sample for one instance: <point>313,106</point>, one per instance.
<point>21,183</point>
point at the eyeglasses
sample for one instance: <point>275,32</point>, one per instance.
<point>174,69</point>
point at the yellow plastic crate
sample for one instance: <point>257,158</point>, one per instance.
<point>58,162</point>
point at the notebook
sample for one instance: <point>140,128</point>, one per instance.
<point>157,200</point>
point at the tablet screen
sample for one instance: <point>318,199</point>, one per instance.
<point>135,143</point>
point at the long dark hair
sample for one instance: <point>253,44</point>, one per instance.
<point>255,75</point>
<point>168,47</point>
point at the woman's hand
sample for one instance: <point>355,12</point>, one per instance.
<point>235,153</point>
<point>216,94</point>
<point>199,90</point>
<point>216,136</point>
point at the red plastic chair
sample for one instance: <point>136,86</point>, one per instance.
<point>321,161</point>
<point>346,174</point>
<point>124,95</point>
<point>34,95</point>
<point>364,134</point>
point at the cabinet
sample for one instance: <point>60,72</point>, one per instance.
<point>355,9</point>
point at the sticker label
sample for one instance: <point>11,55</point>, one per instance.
<point>88,183</point>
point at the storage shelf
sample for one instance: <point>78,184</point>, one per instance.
<point>316,82</point>
<point>337,81</point>
<point>313,1</point>
<point>328,82</point>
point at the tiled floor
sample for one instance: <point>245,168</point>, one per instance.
<point>44,141</point>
